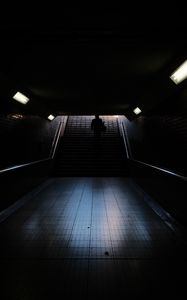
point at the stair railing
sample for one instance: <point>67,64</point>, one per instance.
<point>59,132</point>
<point>123,132</point>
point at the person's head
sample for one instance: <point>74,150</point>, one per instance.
<point>97,116</point>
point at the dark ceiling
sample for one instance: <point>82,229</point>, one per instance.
<point>105,61</point>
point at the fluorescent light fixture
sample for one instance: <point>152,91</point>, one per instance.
<point>21,98</point>
<point>50,117</point>
<point>180,73</point>
<point>16,116</point>
<point>137,111</point>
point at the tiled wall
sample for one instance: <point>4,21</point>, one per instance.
<point>160,140</point>
<point>25,139</point>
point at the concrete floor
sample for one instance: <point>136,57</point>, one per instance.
<point>90,238</point>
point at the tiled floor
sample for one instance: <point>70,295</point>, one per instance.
<point>90,238</point>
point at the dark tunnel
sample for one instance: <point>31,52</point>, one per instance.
<point>90,213</point>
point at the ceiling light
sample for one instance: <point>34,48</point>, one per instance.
<point>50,117</point>
<point>137,111</point>
<point>21,98</point>
<point>16,116</point>
<point>180,73</point>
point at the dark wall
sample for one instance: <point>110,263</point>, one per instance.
<point>160,140</point>
<point>25,138</point>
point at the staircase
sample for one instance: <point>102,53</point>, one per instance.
<point>80,154</point>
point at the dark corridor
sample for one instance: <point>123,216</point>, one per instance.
<point>86,229</point>
<point>80,218</point>
<point>88,238</point>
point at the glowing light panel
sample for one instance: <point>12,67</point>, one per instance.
<point>180,73</point>
<point>50,117</point>
<point>20,98</point>
<point>137,111</point>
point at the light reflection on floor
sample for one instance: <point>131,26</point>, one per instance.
<point>99,218</point>
<point>97,234</point>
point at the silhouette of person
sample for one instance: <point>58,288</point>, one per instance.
<point>97,126</point>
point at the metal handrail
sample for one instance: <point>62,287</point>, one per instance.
<point>129,155</point>
<point>126,142</point>
<point>55,140</point>
<point>51,155</point>
<point>24,165</point>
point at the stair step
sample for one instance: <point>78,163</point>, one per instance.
<point>78,153</point>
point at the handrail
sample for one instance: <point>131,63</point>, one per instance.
<point>129,155</point>
<point>160,169</point>
<point>24,165</point>
<point>55,140</point>
<point>51,155</point>
<point>124,136</point>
